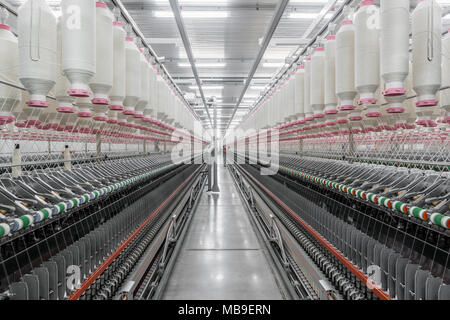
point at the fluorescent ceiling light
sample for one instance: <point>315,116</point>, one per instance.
<point>192,14</point>
<point>273,64</point>
<point>203,65</point>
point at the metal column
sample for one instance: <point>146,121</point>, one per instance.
<point>215,187</point>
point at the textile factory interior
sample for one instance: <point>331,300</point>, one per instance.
<point>225,150</point>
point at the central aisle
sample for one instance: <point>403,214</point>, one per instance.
<point>221,257</point>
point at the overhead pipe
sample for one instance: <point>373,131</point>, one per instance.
<point>279,11</point>
<point>187,46</point>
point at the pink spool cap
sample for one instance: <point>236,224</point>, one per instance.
<point>331,111</point>
<point>346,107</point>
<point>100,4</point>
<point>129,112</point>
<point>4,119</point>
<point>65,109</point>
<point>100,101</point>
<point>367,101</point>
<point>395,110</point>
<point>116,107</point>
<point>309,118</point>
<point>111,121</point>
<point>341,121</point>
<point>37,103</point>
<point>5,27</point>
<point>7,119</point>
<point>138,116</point>
<point>355,118</point>
<point>373,114</point>
<point>366,3</point>
<point>84,114</point>
<point>394,92</point>
<point>79,93</point>
<point>426,103</point>
<point>318,115</point>
<point>100,118</point>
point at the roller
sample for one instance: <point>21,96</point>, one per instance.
<point>367,55</point>
<point>9,67</point>
<point>102,82</point>
<point>65,101</point>
<point>307,91</point>
<point>445,94</point>
<point>143,101</point>
<point>394,50</point>
<point>345,63</point>
<point>426,51</point>
<point>37,41</point>
<point>317,81</point>
<point>330,98</point>
<point>79,44</point>
<point>117,94</point>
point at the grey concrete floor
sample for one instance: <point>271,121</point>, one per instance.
<point>221,257</point>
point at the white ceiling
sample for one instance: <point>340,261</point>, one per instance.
<point>231,41</point>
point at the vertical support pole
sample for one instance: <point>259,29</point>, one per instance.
<point>16,162</point>
<point>67,158</point>
<point>208,159</point>
<point>215,187</point>
<point>145,146</point>
<point>49,147</point>
<point>235,149</point>
<point>98,140</point>
<point>300,147</point>
<point>165,146</point>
